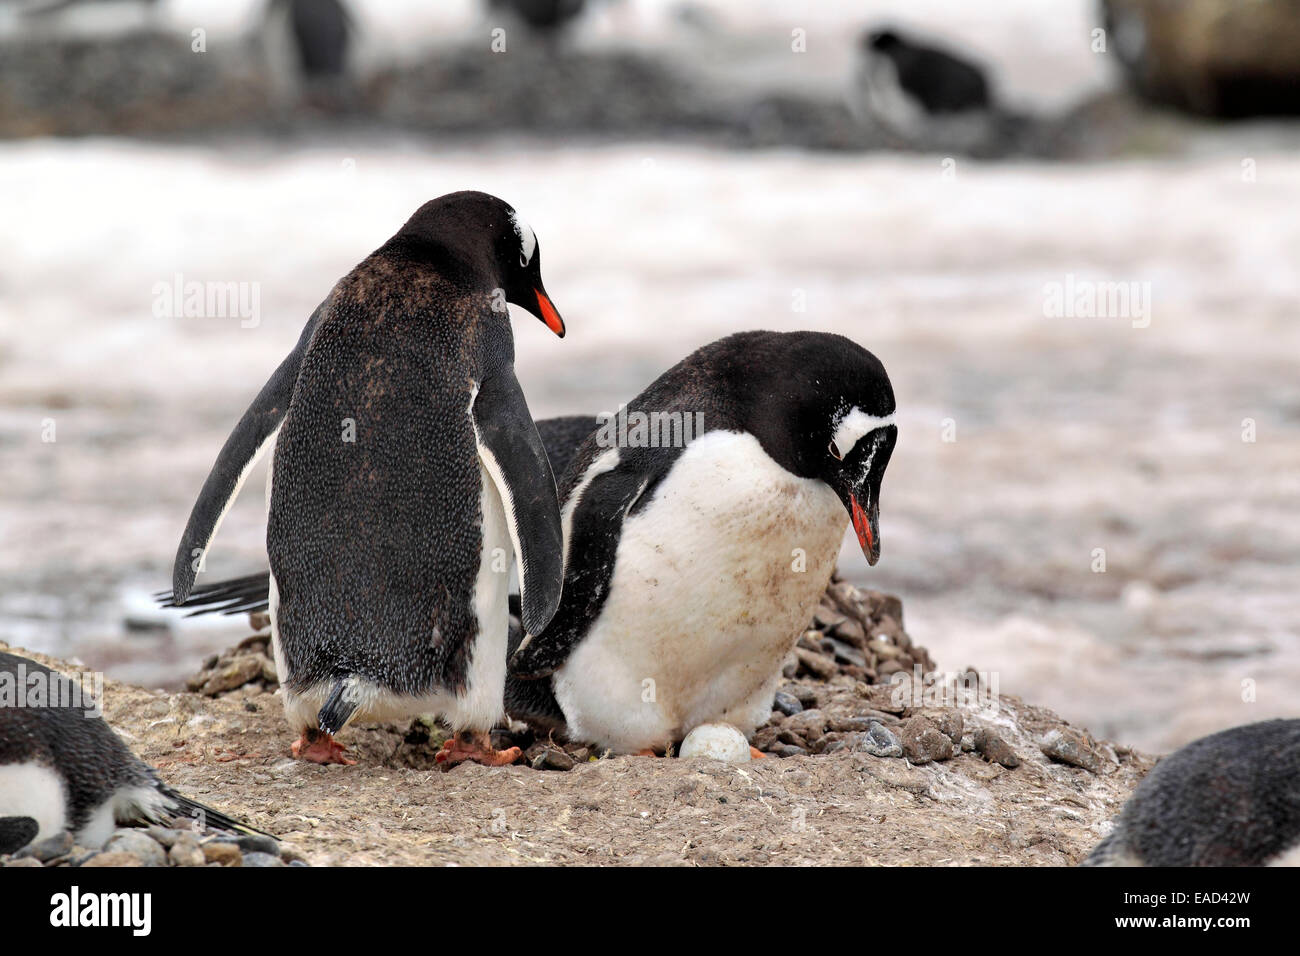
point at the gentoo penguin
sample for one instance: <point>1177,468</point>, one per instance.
<point>321,32</point>
<point>702,525</point>
<point>407,474</point>
<point>1229,799</point>
<point>63,768</point>
<point>915,91</point>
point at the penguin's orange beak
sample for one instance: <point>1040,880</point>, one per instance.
<point>867,525</point>
<point>546,312</point>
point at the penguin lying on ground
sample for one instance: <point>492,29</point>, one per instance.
<point>407,474</point>
<point>63,768</point>
<point>1229,799</point>
<point>694,565</point>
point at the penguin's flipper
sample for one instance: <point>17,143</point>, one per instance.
<point>183,808</point>
<point>16,833</point>
<point>512,453</point>
<point>251,436</point>
<point>594,532</point>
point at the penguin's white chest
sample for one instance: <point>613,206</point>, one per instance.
<point>713,582</point>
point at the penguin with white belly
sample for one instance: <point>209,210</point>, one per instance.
<point>695,555</point>
<point>63,768</point>
<point>407,475</point>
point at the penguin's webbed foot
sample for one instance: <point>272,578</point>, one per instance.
<point>319,747</point>
<point>476,746</point>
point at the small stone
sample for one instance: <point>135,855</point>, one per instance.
<point>232,674</point>
<point>765,738</point>
<point>58,845</point>
<point>259,620</point>
<point>257,843</point>
<point>992,747</point>
<point>952,724</point>
<point>923,741</point>
<point>808,724</point>
<point>115,858</point>
<point>298,863</point>
<point>789,750</point>
<point>290,855</point>
<point>552,758</point>
<point>262,859</point>
<point>851,725</point>
<point>139,844</point>
<point>165,835</point>
<point>268,671</point>
<point>1067,745</point>
<point>225,854</point>
<point>846,653</point>
<point>806,696</point>
<point>878,741</point>
<point>186,852</point>
<point>23,861</point>
<point>818,665</point>
<point>787,704</point>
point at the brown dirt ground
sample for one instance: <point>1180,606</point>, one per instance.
<point>839,808</point>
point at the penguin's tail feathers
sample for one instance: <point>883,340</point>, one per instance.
<point>183,808</point>
<point>338,707</point>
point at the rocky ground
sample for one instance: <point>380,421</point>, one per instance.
<point>864,767</point>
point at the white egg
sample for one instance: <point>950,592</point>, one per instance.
<point>719,741</point>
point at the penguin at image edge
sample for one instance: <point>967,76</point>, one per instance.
<point>63,768</point>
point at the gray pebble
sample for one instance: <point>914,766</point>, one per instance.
<point>788,750</point>
<point>48,849</point>
<point>256,843</point>
<point>992,747</point>
<point>262,859</point>
<point>297,862</point>
<point>786,703</point>
<point>1067,745</point>
<point>139,844</point>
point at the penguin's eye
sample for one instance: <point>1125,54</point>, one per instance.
<point>834,449</point>
<point>523,259</point>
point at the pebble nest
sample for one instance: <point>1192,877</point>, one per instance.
<point>158,846</point>
<point>840,691</point>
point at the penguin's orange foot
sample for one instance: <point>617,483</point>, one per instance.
<point>756,754</point>
<point>476,746</point>
<point>320,747</point>
<point>647,752</point>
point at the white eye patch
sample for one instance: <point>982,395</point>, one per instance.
<point>854,425</point>
<point>527,238</point>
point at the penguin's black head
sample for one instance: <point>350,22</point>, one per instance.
<point>480,240</point>
<point>826,410</point>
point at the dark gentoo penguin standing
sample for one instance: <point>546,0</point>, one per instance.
<point>322,31</point>
<point>692,566</point>
<point>1229,799</point>
<point>63,768</point>
<point>407,475</point>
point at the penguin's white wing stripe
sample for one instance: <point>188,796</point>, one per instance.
<point>605,461</point>
<point>239,483</point>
